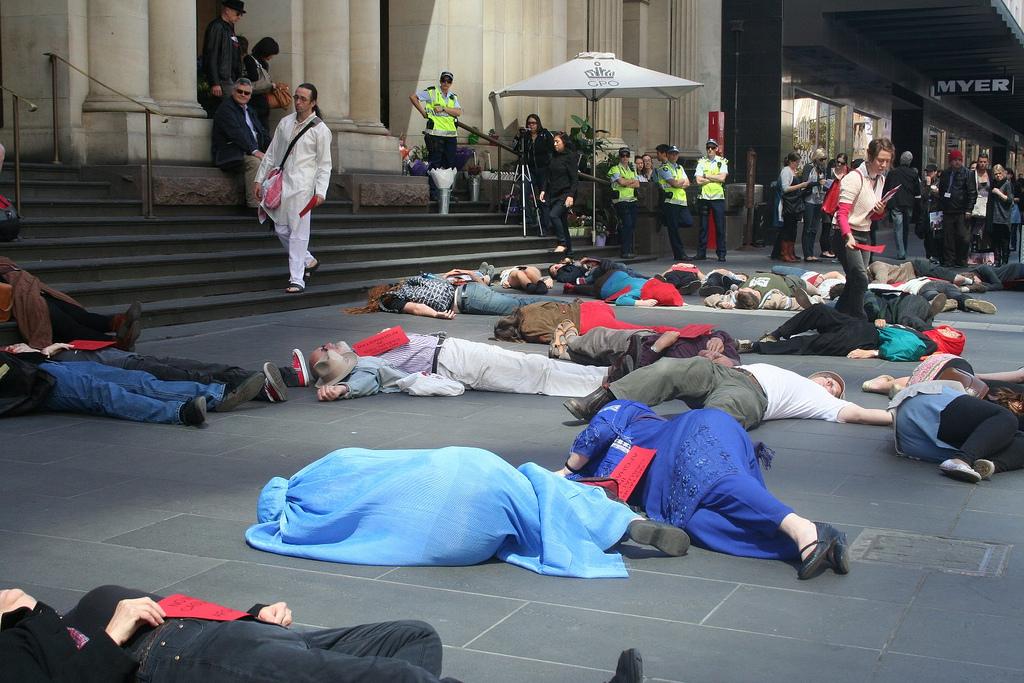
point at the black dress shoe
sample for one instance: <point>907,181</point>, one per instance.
<point>827,539</point>
<point>839,558</point>
<point>669,539</point>
<point>708,290</point>
<point>630,668</point>
<point>587,407</point>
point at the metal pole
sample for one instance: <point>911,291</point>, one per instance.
<point>149,167</point>
<point>17,153</point>
<point>56,121</point>
<point>593,172</point>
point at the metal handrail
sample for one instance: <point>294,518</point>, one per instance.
<point>17,144</point>
<point>54,58</point>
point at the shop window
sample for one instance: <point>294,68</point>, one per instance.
<point>815,124</point>
<point>864,127</point>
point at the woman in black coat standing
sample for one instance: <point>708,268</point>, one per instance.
<point>257,70</point>
<point>559,191</point>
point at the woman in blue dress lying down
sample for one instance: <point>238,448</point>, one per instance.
<point>705,477</point>
<point>449,507</point>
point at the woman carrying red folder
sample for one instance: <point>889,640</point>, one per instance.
<point>860,203</point>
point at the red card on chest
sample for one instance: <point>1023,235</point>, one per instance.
<point>180,606</point>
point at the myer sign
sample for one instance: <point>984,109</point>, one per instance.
<point>975,86</point>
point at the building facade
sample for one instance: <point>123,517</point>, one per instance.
<point>365,56</point>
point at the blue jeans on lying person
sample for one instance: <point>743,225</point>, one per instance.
<point>95,389</point>
<point>477,299</point>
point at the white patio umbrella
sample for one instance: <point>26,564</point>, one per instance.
<point>594,76</point>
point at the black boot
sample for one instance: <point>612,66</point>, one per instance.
<point>586,407</point>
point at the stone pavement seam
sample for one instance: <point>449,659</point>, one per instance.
<point>894,632</point>
<point>957,661</point>
<point>547,661</point>
<point>493,626</point>
<point>721,602</point>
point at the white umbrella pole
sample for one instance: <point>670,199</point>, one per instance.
<point>593,172</point>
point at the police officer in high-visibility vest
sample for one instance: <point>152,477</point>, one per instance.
<point>712,170</point>
<point>624,183</point>
<point>440,108</point>
<point>673,181</point>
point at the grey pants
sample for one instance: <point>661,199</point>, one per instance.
<point>601,345</point>
<point>698,382</point>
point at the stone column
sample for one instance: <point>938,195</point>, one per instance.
<point>606,36</point>
<point>118,53</point>
<point>172,51</point>
<point>684,40</point>
<point>364,66</point>
<point>326,51</point>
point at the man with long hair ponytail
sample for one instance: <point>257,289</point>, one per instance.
<point>306,174</point>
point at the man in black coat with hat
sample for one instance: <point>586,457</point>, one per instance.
<point>222,55</point>
<point>239,139</point>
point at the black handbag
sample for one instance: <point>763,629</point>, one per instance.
<point>10,222</point>
<point>793,202</point>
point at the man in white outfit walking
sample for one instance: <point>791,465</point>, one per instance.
<point>306,174</point>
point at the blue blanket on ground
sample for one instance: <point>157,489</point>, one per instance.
<point>449,507</point>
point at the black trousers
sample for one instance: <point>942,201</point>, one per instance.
<point>193,650</point>
<point>70,322</point>
<point>982,429</point>
<point>558,219</point>
<point>909,310</point>
<point>441,154</point>
<point>838,334</point>
<point>956,238</point>
<point>925,268</point>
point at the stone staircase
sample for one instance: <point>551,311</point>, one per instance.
<point>201,263</point>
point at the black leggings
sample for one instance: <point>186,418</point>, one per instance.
<point>981,429</point>
<point>70,322</point>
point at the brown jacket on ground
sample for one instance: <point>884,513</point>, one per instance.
<point>30,310</point>
<point>891,273</point>
<point>539,320</point>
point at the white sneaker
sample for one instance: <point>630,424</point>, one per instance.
<point>959,470</point>
<point>984,468</point>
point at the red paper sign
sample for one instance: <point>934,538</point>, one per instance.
<point>180,606</point>
<point>90,344</point>
<point>383,341</point>
<point>877,249</point>
<point>309,207</point>
<point>631,469</point>
<point>695,330</point>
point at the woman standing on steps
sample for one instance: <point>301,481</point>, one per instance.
<point>559,191</point>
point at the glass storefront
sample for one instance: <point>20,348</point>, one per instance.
<point>815,124</point>
<point>863,133</point>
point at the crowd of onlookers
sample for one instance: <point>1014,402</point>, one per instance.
<point>963,215</point>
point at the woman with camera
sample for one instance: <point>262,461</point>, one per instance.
<point>560,190</point>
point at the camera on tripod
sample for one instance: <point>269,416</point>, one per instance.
<point>517,141</point>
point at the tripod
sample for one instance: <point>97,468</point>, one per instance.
<point>522,180</point>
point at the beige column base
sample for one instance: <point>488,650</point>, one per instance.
<point>120,137</point>
<point>356,152</point>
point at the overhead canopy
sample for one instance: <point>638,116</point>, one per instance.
<point>596,75</point>
<point>969,39</point>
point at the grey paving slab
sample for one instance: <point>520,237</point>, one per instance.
<point>927,519</point>
<point>331,600</point>
<point>84,565</point>
<point>960,636</point>
<point>866,580</point>
<point>808,616</point>
<point>900,668</point>
<point>54,479</point>
<point>69,518</point>
<point>982,595</point>
<point>671,650</point>
<point>475,665</point>
<point>164,508</point>
<point>224,539</point>
<point>666,596</point>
